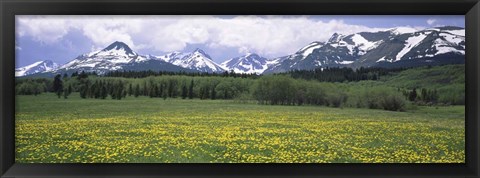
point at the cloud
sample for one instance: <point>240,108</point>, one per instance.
<point>431,21</point>
<point>268,35</point>
<point>42,28</point>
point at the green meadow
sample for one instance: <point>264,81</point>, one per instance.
<point>156,130</point>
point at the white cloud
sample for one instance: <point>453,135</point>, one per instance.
<point>42,28</point>
<point>267,35</point>
<point>431,21</point>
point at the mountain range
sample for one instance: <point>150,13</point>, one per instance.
<point>396,47</point>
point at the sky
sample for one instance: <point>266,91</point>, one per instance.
<point>63,38</point>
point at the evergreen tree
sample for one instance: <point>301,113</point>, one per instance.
<point>165,94</point>
<point>160,93</point>
<point>213,93</point>
<point>424,96</point>
<point>145,89</point>
<point>184,91</point>
<point>130,90</point>
<point>58,85</point>
<point>136,92</point>
<point>74,74</point>
<point>67,91</point>
<point>413,95</point>
<point>190,89</point>
<point>152,93</point>
<point>104,92</point>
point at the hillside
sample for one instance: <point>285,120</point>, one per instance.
<point>448,80</point>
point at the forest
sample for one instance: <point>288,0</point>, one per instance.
<point>373,88</point>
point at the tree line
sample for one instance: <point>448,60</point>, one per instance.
<point>148,73</point>
<point>336,74</point>
<point>279,89</point>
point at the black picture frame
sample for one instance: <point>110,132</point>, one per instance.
<point>10,8</point>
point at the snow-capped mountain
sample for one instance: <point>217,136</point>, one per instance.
<point>396,47</point>
<point>40,66</point>
<point>118,56</point>
<point>111,58</point>
<point>196,60</point>
<point>441,45</point>
<point>249,63</point>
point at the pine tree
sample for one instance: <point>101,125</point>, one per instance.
<point>136,92</point>
<point>104,92</point>
<point>190,90</point>
<point>145,89</point>
<point>130,92</point>
<point>67,91</point>
<point>58,85</point>
<point>413,95</point>
<point>184,91</point>
<point>213,93</point>
<point>152,93</point>
<point>424,96</point>
<point>165,94</point>
<point>160,93</point>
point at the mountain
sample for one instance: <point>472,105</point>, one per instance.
<point>196,60</point>
<point>249,63</point>
<point>390,48</point>
<point>116,56</point>
<point>433,46</point>
<point>111,58</point>
<point>396,47</point>
<point>40,66</point>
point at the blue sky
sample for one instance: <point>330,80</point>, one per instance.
<point>63,38</point>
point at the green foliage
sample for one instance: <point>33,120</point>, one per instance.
<point>377,97</point>
<point>281,89</point>
<point>446,82</point>
<point>30,88</point>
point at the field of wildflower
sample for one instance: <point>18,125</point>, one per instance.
<point>146,130</point>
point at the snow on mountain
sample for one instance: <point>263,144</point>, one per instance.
<point>108,59</point>
<point>401,45</point>
<point>427,43</point>
<point>113,57</point>
<point>411,42</point>
<point>307,50</point>
<point>362,43</point>
<point>249,63</point>
<point>37,67</point>
<point>402,30</point>
<point>196,60</point>
<point>116,56</point>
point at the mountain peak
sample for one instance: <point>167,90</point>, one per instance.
<point>36,67</point>
<point>254,55</point>
<point>198,50</point>
<point>402,30</point>
<point>335,38</point>
<point>118,45</point>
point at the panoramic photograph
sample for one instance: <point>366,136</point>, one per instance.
<point>240,89</point>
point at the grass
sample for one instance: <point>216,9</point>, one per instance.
<point>138,130</point>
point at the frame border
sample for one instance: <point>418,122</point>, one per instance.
<point>10,8</point>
